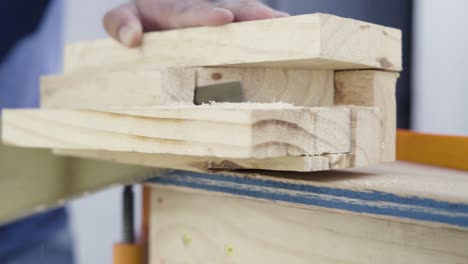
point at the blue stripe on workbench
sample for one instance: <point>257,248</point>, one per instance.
<point>370,202</point>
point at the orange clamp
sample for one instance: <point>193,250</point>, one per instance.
<point>430,149</point>
<point>128,253</point>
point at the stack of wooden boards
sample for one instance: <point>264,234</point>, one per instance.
<point>319,94</point>
<point>301,110</point>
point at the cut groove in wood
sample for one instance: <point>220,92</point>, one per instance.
<point>176,85</point>
<point>266,85</point>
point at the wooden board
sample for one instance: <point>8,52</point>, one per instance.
<point>316,41</point>
<point>398,189</point>
<point>210,164</point>
<point>200,228</point>
<point>371,88</point>
<point>34,180</point>
<point>177,85</point>
<point>365,149</point>
<point>118,89</point>
<point>386,214</point>
<point>266,85</point>
<point>368,143</point>
<point>220,130</point>
<point>303,87</point>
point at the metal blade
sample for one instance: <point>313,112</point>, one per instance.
<point>226,92</point>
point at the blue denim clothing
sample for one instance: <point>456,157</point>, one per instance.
<point>36,54</point>
<point>40,238</point>
<point>43,238</point>
<point>57,248</point>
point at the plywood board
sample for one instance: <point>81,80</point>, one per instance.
<point>396,190</point>
<point>309,41</point>
<point>199,228</point>
<point>220,130</point>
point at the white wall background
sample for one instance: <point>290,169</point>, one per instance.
<point>95,219</point>
<point>440,66</point>
<point>83,18</point>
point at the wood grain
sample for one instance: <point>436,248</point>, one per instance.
<point>367,132</point>
<point>118,89</point>
<point>177,85</point>
<point>309,41</point>
<point>210,164</point>
<point>266,85</point>
<point>198,228</point>
<point>35,180</point>
<point>418,183</point>
<point>221,130</point>
<point>371,88</point>
<point>365,149</point>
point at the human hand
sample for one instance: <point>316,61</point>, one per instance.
<point>127,22</point>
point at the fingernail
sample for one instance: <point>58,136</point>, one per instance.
<point>129,35</point>
<point>282,14</point>
<point>220,10</point>
<point>222,15</point>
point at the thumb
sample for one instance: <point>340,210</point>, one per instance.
<point>124,25</point>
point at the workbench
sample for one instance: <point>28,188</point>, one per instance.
<point>391,213</point>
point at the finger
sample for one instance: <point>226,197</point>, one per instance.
<point>247,10</point>
<point>281,14</point>
<point>205,15</point>
<point>161,15</point>
<point>124,25</point>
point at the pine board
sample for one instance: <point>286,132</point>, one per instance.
<point>221,130</point>
<point>118,89</point>
<point>143,88</point>
<point>35,180</point>
<point>316,41</point>
<point>210,164</point>
<point>372,88</point>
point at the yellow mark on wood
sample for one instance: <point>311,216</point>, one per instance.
<point>187,240</point>
<point>229,250</point>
